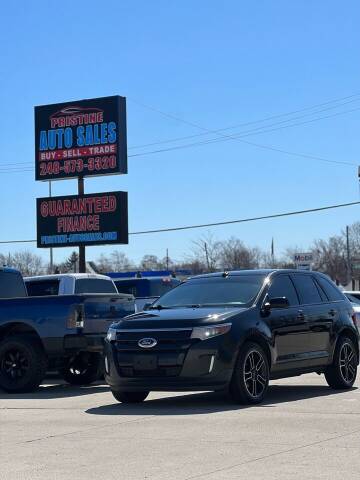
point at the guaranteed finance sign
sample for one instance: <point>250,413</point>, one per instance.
<point>92,219</point>
<point>80,139</point>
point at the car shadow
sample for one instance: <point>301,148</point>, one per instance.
<point>60,390</point>
<point>209,402</point>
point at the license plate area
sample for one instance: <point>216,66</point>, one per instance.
<point>145,362</point>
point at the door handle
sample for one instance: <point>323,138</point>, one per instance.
<point>301,316</point>
<point>332,312</point>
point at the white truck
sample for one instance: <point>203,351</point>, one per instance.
<point>69,284</point>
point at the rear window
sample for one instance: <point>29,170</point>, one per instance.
<point>42,288</point>
<point>94,285</point>
<point>331,291</point>
<point>11,285</point>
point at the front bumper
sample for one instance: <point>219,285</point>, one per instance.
<point>84,342</point>
<point>175,364</point>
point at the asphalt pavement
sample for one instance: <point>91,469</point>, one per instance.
<point>303,430</point>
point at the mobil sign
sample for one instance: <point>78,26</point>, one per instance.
<point>303,261</point>
<point>303,258</point>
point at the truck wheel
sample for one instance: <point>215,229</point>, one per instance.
<point>250,379</point>
<point>22,364</point>
<point>342,373</point>
<point>129,397</point>
<point>82,369</point>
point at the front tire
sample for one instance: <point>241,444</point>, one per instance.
<point>22,364</point>
<point>82,369</point>
<point>129,397</point>
<point>342,373</point>
<point>250,379</point>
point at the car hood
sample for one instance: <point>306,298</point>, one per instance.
<point>179,317</point>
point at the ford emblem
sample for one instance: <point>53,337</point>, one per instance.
<point>147,342</point>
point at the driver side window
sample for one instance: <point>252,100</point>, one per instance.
<point>282,286</point>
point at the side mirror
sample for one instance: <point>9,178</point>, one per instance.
<point>278,302</point>
<point>147,306</point>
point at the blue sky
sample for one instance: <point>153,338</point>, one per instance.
<point>215,64</point>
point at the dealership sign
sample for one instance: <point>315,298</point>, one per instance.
<point>92,219</point>
<point>81,138</point>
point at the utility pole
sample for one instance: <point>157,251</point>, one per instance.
<point>207,256</point>
<point>167,259</point>
<point>82,257</point>
<point>51,250</point>
<point>348,264</point>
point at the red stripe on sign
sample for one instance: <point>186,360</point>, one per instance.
<point>77,152</point>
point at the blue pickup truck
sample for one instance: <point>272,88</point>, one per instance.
<point>63,333</point>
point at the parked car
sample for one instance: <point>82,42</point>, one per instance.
<point>354,297</point>
<point>235,331</point>
<point>69,284</point>
<point>145,290</point>
<point>64,332</point>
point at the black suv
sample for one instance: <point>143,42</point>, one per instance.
<point>235,331</point>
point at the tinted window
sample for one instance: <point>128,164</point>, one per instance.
<point>212,291</point>
<point>331,291</point>
<point>11,285</point>
<point>352,298</point>
<point>125,287</point>
<point>282,286</point>
<point>307,290</point>
<point>94,285</point>
<point>40,289</point>
<point>159,287</point>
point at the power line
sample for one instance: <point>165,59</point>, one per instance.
<point>174,117</point>
<point>236,136</point>
<point>216,224</point>
<point>251,219</point>
<point>239,137</point>
<point>208,131</point>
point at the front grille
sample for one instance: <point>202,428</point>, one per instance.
<point>167,340</point>
<point>165,359</point>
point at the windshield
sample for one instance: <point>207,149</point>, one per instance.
<point>213,291</point>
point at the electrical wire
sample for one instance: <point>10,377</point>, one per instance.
<point>216,224</point>
<point>236,136</point>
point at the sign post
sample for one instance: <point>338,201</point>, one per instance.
<point>77,140</point>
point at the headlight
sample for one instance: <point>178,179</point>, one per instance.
<point>211,331</point>
<point>111,334</point>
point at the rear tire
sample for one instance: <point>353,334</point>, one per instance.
<point>83,369</point>
<point>342,373</point>
<point>22,364</point>
<point>250,378</point>
<point>129,397</point>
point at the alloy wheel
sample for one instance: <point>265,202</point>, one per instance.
<point>255,374</point>
<point>348,362</point>
<point>14,364</point>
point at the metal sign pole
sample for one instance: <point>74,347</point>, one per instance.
<point>82,254</point>
<point>51,250</point>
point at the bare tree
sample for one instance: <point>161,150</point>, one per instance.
<point>103,264</point>
<point>206,251</point>
<point>28,263</point>
<point>151,262</point>
<point>234,255</point>
<point>330,258</point>
<point>120,262</point>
